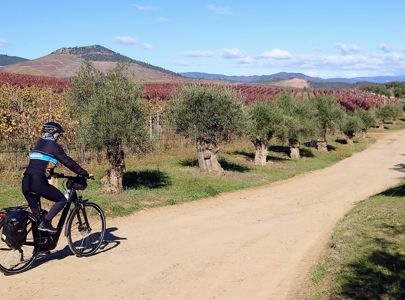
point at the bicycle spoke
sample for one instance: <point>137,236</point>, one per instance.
<point>86,230</point>
<point>18,260</point>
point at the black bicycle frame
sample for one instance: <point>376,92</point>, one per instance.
<point>66,213</point>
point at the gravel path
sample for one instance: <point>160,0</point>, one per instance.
<point>259,243</point>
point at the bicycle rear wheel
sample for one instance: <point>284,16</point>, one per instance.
<point>13,261</point>
<point>85,229</point>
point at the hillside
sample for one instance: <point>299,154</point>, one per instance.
<point>65,62</point>
<point>293,83</point>
<point>9,60</point>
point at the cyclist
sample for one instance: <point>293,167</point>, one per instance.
<point>43,159</point>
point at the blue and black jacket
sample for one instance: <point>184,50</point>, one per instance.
<point>46,155</point>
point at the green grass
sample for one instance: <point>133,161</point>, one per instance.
<point>367,255</point>
<point>172,177</point>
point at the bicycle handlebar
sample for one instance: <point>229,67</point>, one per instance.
<point>61,175</point>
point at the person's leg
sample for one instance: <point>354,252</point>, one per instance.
<point>41,187</point>
<point>31,197</point>
<point>53,194</point>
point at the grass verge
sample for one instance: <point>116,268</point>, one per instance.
<point>366,259</point>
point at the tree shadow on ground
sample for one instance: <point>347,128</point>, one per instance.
<point>380,275</point>
<point>230,166</point>
<point>306,153</point>
<point>276,158</point>
<point>312,144</point>
<point>286,151</point>
<point>226,165</point>
<point>149,178</point>
<point>280,149</point>
<point>110,241</point>
<point>331,148</point>
<point>398,191</point>
<point>399,167</point>
<point>250,156</point>
<point>191,162</point>
<point>341,141</point>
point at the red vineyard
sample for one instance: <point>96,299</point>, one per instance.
<point>21,80</point>
<point>350,99</point>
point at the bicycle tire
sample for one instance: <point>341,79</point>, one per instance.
<point>22,264</point>
<point>85,229</point>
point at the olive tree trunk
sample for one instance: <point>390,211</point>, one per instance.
<point>322,145</point>
<point>294,148</point>
<point>112,180</point>
<point>363,134</point>
<point>261,152</point>
<point>349,138</point>
<point>207,158</point>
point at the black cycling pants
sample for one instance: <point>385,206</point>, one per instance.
<point>35,186</point>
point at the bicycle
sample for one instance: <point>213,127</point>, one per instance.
<point>84,228</point>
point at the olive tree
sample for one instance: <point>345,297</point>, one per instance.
<point>351,126</point>
<point>388,112</point>
<point>299,122</point>
<point>209,116</point>
<point>328,114</point>
<point>368,119</point>
<point>265,119</point>
<point>112,118</point>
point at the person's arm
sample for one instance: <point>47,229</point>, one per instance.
<point>68,162</point>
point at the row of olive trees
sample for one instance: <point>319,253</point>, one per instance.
<point>112,118</point>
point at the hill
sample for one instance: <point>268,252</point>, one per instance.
<point>292,83</point>
<point>65,62</point>
<point>6,60</point>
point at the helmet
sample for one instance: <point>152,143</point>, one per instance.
<point>52,127</point>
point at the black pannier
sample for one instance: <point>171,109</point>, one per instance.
<point>14,232</point>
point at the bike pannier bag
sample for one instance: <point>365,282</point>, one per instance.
<point>14,232</point>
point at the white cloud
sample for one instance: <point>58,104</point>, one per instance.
<point>385,48</point>
<point>346,49</point>
<point>246,61</point>
<point>233,53</point>
<point>131,41</point>
<point>198,53</point>
<point>143,7</point>
<point>276,54</point>
<point>341,65</point>
<point>225,10</point>
<point>3,42</point>
<point>161,20</point>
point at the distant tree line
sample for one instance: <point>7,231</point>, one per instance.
<point>391,89</point>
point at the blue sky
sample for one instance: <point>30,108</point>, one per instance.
<point>318,38</point>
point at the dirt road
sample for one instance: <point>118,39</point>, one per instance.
<point>253,244</point>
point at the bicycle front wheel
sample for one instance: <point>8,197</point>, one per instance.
<point>86,229</point>
<point>13,261</point>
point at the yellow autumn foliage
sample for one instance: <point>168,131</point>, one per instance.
<point>24,110</point>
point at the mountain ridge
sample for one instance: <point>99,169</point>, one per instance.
<point>6,60</point>
<point>285,76</point>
